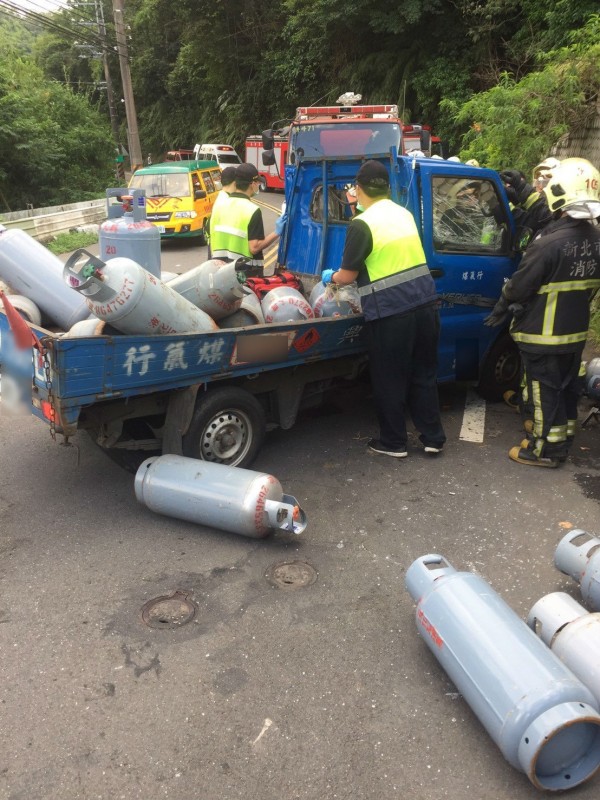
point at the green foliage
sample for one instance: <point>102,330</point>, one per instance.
<point>515,123</point>
<point>66,242</point>
<point>54,148</point>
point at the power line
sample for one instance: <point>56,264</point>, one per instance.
<point>47,21</point>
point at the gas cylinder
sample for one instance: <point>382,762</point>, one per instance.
<point>26,308</point>
<point>130,299</point>
<point>249,313</point>
<point>543,719</point>
<point>215,286</point>
<point>578,555</point>
<point>285,304</point>
<point>87,327</point>
<point>572,633</point>
<point>335,301</point>
<point>592,378</point>
<point>167,276</point>
<point>127,233</point>
<point>36,273</point>
<point>229,498</point>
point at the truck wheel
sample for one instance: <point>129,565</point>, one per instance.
<point>228,427</point>
<point>262,186</point>
<point>501,369</point>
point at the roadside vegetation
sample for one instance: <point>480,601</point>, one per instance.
<point>66,242</point>
<point>499,80</point>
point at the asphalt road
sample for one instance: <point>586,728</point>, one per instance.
<point>313,692</point>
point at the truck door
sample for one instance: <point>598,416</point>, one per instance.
<point>467,230</point>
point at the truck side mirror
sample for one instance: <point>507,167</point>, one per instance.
<point>268,158</point>
<point>425,141</point>
<point>199,194</point>
<point>268,139</point>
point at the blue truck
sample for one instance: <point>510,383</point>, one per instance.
<point>213,395</point>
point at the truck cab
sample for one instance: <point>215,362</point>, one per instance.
<point>461,211</point>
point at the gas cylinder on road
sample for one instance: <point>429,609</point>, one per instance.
<point>33,271</point>
<point>572,633</point>
<point>232,499</point>
<point>285,304</point>
<point>578,555</point>
<point>334,301</point>
<point>130,299</point>
<point>127,233</point>
<point>215,286</point>
<point>543,719</point>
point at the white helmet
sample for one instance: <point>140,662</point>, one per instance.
<point>472,162</point>
<point>575,188</point>
<point>545,168</point>
<point>435,155</point>
<point>454,158</point>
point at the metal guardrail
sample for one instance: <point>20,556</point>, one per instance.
<point>44,223</point>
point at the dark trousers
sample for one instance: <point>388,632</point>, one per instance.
<point>403,352</point>
<point>553,388</point>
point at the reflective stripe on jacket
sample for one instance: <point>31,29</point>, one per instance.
<point>398,276</point>
<point>554,283</point>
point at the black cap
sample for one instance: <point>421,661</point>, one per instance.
<point>228,175</point>
<point>246,172</point>
<point>373,174</point>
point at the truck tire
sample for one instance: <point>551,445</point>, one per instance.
<point>228,427</point>
<point>262,186</point>
<point>501,369</point>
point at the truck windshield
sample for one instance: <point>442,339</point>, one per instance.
<point>164,184</point>
<point>371,137</point>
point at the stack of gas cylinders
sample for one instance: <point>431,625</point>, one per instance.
<point>124,291</point>
<point>535,685</point>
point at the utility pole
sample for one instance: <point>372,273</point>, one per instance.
<point>110,96</point>
<point>135,150</point>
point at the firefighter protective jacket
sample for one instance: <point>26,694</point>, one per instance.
<point>554,284</point>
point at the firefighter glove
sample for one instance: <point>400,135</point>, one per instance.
<point>327,275</point>
<point>499,315</point>
<point>517,188</point>
<point>280,224</point>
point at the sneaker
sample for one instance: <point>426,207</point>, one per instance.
<point>511,398</point>
<point>524,456</point>
<point>375,446</point>
<point>432,450</point>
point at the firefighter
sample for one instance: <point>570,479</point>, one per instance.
<point>383,252</point>
<point>237,225</point>
<point>543,172</point>
<point>549,296</point>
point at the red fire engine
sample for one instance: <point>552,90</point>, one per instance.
<point>272,176</point>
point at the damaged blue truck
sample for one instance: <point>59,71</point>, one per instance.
<point>214,395</point>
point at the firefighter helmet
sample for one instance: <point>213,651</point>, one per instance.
<point>575,188</point>
<point>545,168</point>
<point>472,162</point>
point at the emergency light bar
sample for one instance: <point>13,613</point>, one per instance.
<point>337,112</point>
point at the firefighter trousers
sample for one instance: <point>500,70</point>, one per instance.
<point>403,352</point>
<point>553,388</point>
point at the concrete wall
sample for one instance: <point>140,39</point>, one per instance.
<point>584,143</point>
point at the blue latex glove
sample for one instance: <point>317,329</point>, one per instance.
<point>327,275</point>
<point>280,224</point>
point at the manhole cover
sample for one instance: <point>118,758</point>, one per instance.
<point>291,575</point>
<point>170,611</point>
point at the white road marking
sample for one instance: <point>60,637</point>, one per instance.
<point>473,425</point>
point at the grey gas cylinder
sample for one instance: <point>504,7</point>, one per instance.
<point>215,286</point>
<point>334,301</point>
<point>127,233</point>
<point>232,499</point>
<point>33,271</point>
<point>130,299</point>
<point>543,719</point>
<point>285,304</point>
<point>572,633</point>
<point>578,555</point>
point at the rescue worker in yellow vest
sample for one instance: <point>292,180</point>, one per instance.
<point>549,296</point>
<point>383,253</point>
<point>236,225</point>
